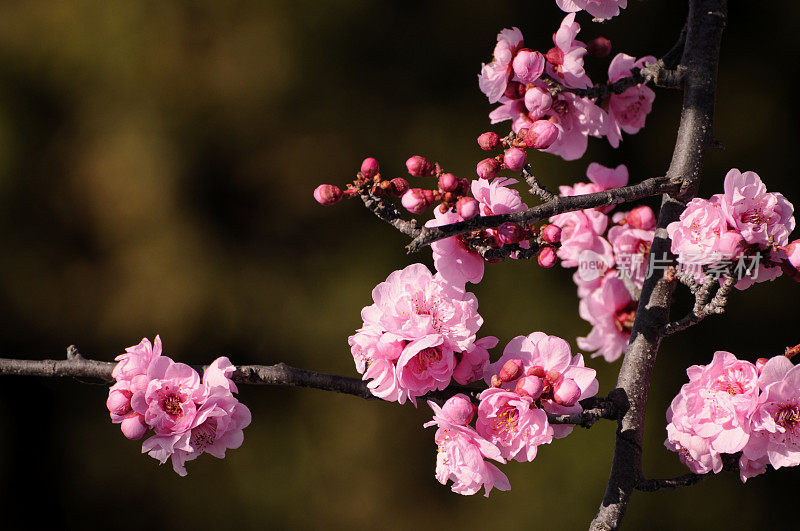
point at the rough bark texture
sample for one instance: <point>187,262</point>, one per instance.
<point>706,20</point>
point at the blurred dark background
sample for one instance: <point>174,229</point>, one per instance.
<point>156,167</point>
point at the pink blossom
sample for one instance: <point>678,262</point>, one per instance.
<point>513,423</point>
<point>596,8</point>
<point>548,355</point>
<point>132,380</point>
<point>460,457</point>
<point>749,468</point>
<point>496,198</point>
<point>472,363</point>
<point>756,267</point>
<point>702,236</point>
<point>528,66</point>
<point>631,251</point>
<point>458,410</point>
<point>136,359</point>
<point>607,178</point>
<point>610,310</point>
<point>494,77</point>
<point>425,365</point>
<point>452,258</point>
<point>761,217</point>
<point>641,217</point>
<point>627,111</point>
<point>775,423</point>
<point>598,221</point>
<point>565,61</point>
<point>577,119</point>
<point>537,101</point>
<point>716,404</point>
<point>579,235</point>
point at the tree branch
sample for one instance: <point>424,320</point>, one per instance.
<point>557,205</point>
<point>705,24</point>
<point>703,307</point>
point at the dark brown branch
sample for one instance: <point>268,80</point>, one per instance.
<point>388,212</point>
<point>705,24</point>
<point>703,307</point>
<point>558,205</point>
<point>537,188</point>
<point>730,463</point>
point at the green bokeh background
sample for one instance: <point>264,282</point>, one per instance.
<point>156,167</point>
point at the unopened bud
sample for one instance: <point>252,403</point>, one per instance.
<point>463,187</point>
<point>119,401</point>
<point>514,159</point>
<point>546,257</point>
<point>599,47</point>
<point>566,392</point>
<point>133,426</point>
<point>529,386</point>
<point>489,141</point>
<point>541,134</point>
<point>418,166</point>
<point>552,376</point>
<point>467,207</point>
<point>641,217</point>
<point>459,409</point>
<point>512,369</point>
<point>488,168</point>
<point>536,370</point>
<point>398,186</point>
<point>528,65</point>
<point>551,233</point>
<point>327,194</point>
<point>793,253</point>
<point>417,200</point>
<point>509,233</point>
<point>369,168</point>
<point>538,101</point>
<point>448,182</point>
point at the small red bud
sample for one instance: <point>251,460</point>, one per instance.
<point>398,186</point>
<point>417,200</point>
<point>512,369</point>
<point>599,47</point>
<point>509,233</point>
<point>541,134</point>
<point>551,233</point>
<point>546,257</point>
<point>369,168</point>
<point>467,207</point>
<point>641,217</point>
<point>327,194</point>
<point>448,182</point>
<point>419,166</point>
<point>488,168</point>
<point>489,141</point>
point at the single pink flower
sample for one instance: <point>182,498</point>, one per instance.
<point>702,235</point>
<point>577,119</point>
<point>762,218</point>
<point>425,365</point>
<point>565,61</point>
<point>453,260</point>
<point>597,8</point>
<point>528,66</point>
<point>627,111</point>
<point>495,197</point>
<point>607,178</point>
<point>513,423</point>
<point>458,410</point>
<point>610,310</point>
<point>547,357</point>
<point>580,238</point>
<point>494,77</point>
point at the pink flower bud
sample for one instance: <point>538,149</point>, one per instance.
<point>133,426</point>
<point>514,159</point>
<point>552,376</point>
<point>418,166</point>
<point>369,168</point>
<point>514,90</point>
<point>119,401</point>
<point>528,65</point>
<point>551,233</point>
<point>512,369</point>
<point>536,370</point>
<point>467,207</point>
<point>538,101</point>
<point>599,47</point>
<point>488,168</point>
<point>641,217</point>
<point>760,362</point>
<point>546,257</point>
<point>555,56</point>
<point>417,200</point>
<point>489,141</point>
<point>509,233</point>
<point>529,386</point>
<point>459,409</point>
<point>398,186</point>
<point>793,253</point>
<point>541,134</point>
<point>566,392</point>
<point>448,182</point>
<point>327,194</point>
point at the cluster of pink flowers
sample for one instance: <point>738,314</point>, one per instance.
<point>601,9</point>
<point>187,415</point>
<point>518,78</point>
<point>745,221</point>
<point>731,406</point>
<point>536,375</point>
<point>611,257</point>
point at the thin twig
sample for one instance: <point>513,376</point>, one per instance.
<point>388,212</point>
<point>703,307</point>
<point>537,188</point>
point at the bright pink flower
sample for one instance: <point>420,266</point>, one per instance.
<point>528,66</point>
<point>454,261</point>
<point>494,77</point>
<point>370,344</point>
<point>458,410</point>
<point>131,380</point>
<point>577,119</point>
<point>598,220</point>
<point>749,468</point>
<point>216,427</point>
<point>327,194</point>
<point>596,8</point>
<point>641,217</point>
<point>775,423</point>
<point>548,355</point>
<point>169,404</point>
<point>136,359</point>
<point>607,178</point>
<point>514,159</point>
<point>565,61</point>
<point>538,101</point>
<point>702,236</point>
<point>496,198</point>
<point>473,362</point>
<point>425,365</point>
<point>610,310</point>
<point>627,111</point>
<point>631,251</point>
<point>513,423</point>
<point>761,217</point>
<point>580,237</point>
